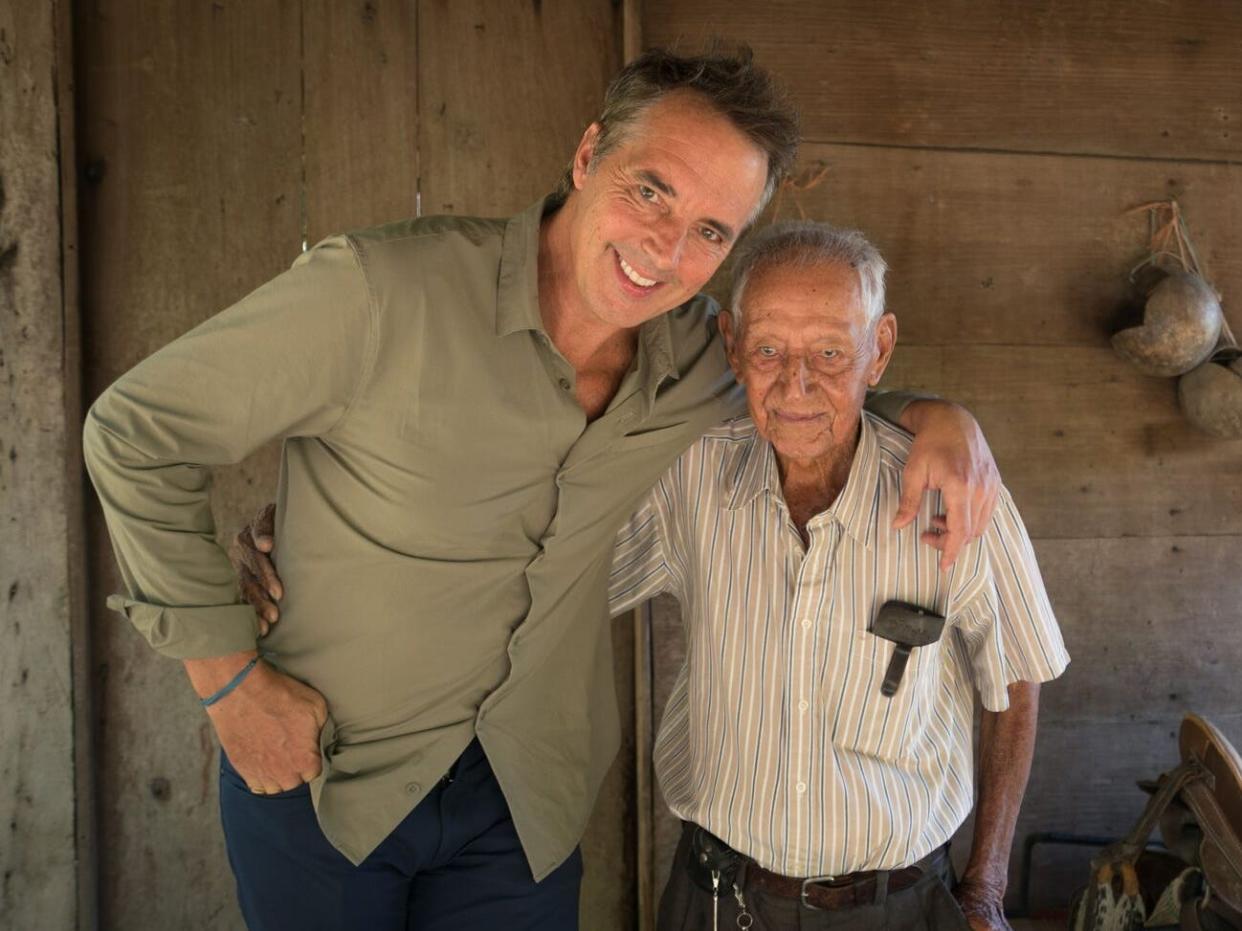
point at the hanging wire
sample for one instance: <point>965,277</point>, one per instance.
<point>1169,242</point>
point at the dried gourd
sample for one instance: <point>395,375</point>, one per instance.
<point>1211,395</point>
<point>1181,324</point>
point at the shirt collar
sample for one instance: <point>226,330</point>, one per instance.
<point>517,284</point>
<point>855,508</point>
<point>517,297</point>
<point>655,354</point>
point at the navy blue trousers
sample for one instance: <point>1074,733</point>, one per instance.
<point>454,863</point>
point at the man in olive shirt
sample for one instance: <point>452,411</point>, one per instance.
<point>470,409</point>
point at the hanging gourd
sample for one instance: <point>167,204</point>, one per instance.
<point>1182,319</point>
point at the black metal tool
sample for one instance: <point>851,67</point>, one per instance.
<point>908,626</point>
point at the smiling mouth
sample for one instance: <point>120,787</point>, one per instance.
<point>796,418</point>
<point>634,277</point>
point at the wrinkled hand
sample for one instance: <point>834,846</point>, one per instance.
<point>256,575</point>
<point>269,727</point>
<point>982,904</point>
<point>949,455</point>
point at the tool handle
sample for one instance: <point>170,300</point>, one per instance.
<point>896,669</point>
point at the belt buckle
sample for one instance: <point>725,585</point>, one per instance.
<point>808,881</point>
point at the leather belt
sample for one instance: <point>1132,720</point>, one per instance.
<point>831,892</point>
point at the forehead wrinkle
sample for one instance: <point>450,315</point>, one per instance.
<point>759,281</point>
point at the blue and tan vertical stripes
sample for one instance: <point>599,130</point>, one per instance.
<point>776,737</point>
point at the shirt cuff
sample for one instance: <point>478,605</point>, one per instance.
<point>196,632</point>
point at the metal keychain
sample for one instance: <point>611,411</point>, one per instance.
<point>744,918</point>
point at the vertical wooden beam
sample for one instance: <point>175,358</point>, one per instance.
<point>37,872</point>
<point>86,833</point>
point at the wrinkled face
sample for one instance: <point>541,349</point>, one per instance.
<point>806,356</point>
<point>657,214</point>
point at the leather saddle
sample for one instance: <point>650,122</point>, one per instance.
<point>1197,885</point>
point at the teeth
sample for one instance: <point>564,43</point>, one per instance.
<point>635,276</point>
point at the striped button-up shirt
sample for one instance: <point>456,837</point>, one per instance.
<point>776,737</point>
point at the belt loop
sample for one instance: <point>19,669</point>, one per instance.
<point>881,887</point>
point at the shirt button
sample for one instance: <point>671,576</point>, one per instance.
<point>563,382</point>
<point>803,705</point>
<point>801,787</point>
<point>806,623</point>
<point>413,788</point>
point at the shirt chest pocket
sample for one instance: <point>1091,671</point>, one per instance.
<point>892,729</point>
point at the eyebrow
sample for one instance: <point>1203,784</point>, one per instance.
<point>650,177</point>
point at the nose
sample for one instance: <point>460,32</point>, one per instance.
<point>665,240</point>
<point>796,376</point>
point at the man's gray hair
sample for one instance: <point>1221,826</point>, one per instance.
<point>806,243</point>
<point>727,80</point>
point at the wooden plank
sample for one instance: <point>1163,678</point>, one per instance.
<point>1088,447</point>
<point>1151,625</point>
<point>85,809</point>
<point>37,869</point>
<point>1105,77</point>
<point>1015,249</point>
<point>361,122</point>
<point>495,140</point>
<point>191,136</point>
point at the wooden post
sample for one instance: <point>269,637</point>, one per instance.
<point>43,727</point>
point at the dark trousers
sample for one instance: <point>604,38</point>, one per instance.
<point>453,864</point>
<point>925,906</point>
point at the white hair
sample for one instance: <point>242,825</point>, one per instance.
<point>804,244</point>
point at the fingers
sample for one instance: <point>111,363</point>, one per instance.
<point>258,562</point>
<point>913,484</point>
<point>263,528</point>
<point>255,594</point>
<point>311,775</point>
<point>957,524</point>
<point>271,783</point>
<point>267,575</point>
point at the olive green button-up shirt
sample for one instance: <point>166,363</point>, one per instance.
<point>445,514</point>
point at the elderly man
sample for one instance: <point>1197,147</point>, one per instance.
<point>470,409</point>
<point>810,799</point>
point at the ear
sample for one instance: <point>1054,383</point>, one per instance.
<point>727,325</point>
<point>585,153</point>
<point>885,340</point>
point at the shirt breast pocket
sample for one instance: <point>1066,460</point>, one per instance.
<point>893,730</point>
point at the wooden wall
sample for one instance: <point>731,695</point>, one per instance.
<point>40,484</point>
<point>991,150</point>
<point>216,137</point>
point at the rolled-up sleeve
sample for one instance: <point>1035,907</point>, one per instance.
<point>287,360</point>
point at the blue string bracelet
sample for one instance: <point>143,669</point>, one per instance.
<point>230,685</point>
